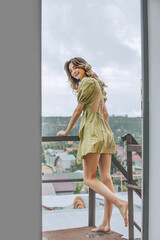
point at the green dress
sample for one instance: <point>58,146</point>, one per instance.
<point>94,131</point>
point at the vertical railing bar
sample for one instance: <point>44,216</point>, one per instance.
<point>130,191</point>
<point>91,219</point>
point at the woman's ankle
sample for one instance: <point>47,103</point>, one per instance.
<point>105,223</point>
<point>119,203</point>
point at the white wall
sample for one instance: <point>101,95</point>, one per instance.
<point>20,111</point>
<point>154,118</point>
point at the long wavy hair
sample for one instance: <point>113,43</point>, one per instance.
<point>81,63</point>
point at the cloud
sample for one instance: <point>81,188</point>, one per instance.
<point>105,33</point>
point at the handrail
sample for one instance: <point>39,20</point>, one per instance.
<point>134,148</point>
<point>131,139</point>
<point>45,180</point>
<point>60,138</point>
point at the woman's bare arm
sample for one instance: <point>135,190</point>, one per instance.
<point>76,114</point>
<point>105,113</point>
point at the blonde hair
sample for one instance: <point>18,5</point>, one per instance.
<point>81,63</point>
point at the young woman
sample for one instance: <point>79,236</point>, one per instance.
<point>96,140</point>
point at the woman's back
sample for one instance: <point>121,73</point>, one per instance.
<point>94,132</point>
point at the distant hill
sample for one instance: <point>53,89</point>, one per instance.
<point>118,124</point>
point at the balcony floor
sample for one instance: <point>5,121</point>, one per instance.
<point>83,233</point>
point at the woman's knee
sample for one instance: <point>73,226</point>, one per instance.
<point>88,181</point>
<point>106,179</point>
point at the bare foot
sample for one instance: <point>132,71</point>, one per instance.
<point>101,227</point>
<point>123,210</point>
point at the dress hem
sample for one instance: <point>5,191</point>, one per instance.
<point>111,151</point>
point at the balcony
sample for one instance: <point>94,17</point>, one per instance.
<point>85,231</point>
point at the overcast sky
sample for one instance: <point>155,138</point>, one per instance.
<point>106,33</point>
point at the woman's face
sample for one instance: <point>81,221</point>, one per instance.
<point>78,73</point>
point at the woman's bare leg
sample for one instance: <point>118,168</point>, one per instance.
<point>90,164</point>
<point>105,176</point>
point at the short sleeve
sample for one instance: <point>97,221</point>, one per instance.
<point>88,90</point>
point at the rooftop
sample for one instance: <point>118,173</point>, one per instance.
<point>75,218</point>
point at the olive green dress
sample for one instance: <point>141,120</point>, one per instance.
<point>94,131</point>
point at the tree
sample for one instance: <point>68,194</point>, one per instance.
<point>97,174</point>
<point>74,152</point>
<point>43,157</point>
<point>78,188</point>
<point>75,166</point>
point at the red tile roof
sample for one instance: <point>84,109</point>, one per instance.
<point>69,149</point>
<point>135,158</point>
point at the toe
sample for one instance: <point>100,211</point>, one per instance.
<point>94,229</point>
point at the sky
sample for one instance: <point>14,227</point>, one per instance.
<point>107,34</point>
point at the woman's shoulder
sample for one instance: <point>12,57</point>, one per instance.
<point>86,81</point>
<point>87,89</point>
<point>89,84</point>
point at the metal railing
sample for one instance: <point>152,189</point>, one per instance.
<point>91,213</point>
<point>132,145</point>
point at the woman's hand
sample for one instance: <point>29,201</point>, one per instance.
<point>62,133</point>
<point>76,114</point>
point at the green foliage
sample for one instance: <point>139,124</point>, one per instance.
<point>118,124</point>
<point>124,188</point>
<point>54,145</point>
<point>116,181</point>
<point>75,166</point>
<point>139,183</point>
<point>97,174</point>
<point>52,125</point>
<point>74,152</point>
<point>119,142</point>
<point>68,145</point>
<point>78,188</point>
<point>43,157</point>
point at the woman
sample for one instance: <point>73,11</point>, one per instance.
<point>96,139</point>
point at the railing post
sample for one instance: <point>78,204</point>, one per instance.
<point>91,207</point>
<point>130,191</point>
